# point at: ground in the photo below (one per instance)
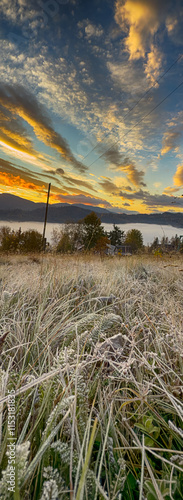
(93, 348)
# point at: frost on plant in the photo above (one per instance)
(21, 454)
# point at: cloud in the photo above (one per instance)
(60, 171)
(17, 11)
(178, 177)
(174, 25)
(110, 188)
(153, 201)
(134, 176)
(128, 77)
(69, 179)
(170, 141)
(22, 176)
(154, 64)
(19, 182)
(171, 190)
(140, 20)
(78, 182)
(19, 101)
(123, 164)
(172, 136)
(93, 31)
(87, 200)
(13, 132)
(59, 86)
(90, 29)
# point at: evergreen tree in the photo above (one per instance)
(116, 236)
(92, 230)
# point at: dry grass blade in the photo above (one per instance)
(2, 340)
(95, 349)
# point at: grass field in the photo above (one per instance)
(93, 348)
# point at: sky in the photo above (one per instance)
(91, 101)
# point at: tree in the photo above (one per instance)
(134, 239)
(155, 245)
(9, 239)
(92, 230)
(116, 236)
(65, 244)
(30, 241)
(175, 242)
(164, 241)
(21, 242)
(101, 244)
(67, 238)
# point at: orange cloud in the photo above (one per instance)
(22, 140)
(170, 190)
(178, 177)
(17, 101)
(11, 180)
(79, 198)
(11, 143)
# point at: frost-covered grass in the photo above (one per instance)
(94, 351)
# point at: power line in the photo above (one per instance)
(134, 126)
(136, 104)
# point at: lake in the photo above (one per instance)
(149, 231)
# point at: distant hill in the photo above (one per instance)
(98, 210)
(11, 202)
(13, 208)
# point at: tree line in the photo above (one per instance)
(86, 235)
(89, 235)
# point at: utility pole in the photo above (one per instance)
(45, 220)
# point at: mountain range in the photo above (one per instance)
(14, 208)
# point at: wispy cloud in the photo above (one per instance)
(152, 201)
(110, 187)
(80, 198)
(21, 177)
(170, 141)
(22, 103)
(118, 162)
(154, 64)
(172, 136)
(171, 190)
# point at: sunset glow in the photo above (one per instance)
(91, 101)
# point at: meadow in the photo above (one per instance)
(93, 348)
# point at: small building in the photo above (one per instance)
(123, 250)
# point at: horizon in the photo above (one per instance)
(94, 206)
(91, 101)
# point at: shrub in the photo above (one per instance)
(101, 244)
(20, 242)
